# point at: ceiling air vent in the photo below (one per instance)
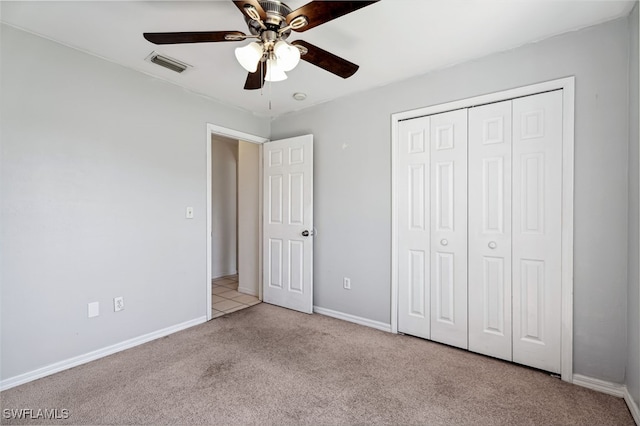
(167, 62)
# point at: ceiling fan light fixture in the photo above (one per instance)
(249, 56)
(287, 55)
(274, 71)
(270, 23)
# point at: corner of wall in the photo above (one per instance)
(632, 379)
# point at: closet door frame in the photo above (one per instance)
(567, 85)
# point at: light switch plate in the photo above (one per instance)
(189, 214)
(93, 309)
(346, 283)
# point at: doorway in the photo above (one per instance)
(234, 261)
(233, 220)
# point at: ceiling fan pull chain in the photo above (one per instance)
(262, 78)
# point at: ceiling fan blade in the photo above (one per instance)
(327, 61)
(192, 37)
(319, 12)
(255, 80)
(254, 3)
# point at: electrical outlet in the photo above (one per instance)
(118, 304)
(189, 213)
(346, 283)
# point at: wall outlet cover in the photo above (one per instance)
(118, 304)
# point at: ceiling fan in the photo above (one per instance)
(270, 22)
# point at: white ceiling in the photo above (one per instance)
(391, 40)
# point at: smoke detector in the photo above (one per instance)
(299, 96)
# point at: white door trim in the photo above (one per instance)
(213, 129)
(567, 85)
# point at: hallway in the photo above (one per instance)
(225, 297)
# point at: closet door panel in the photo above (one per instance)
(537, 216)
(449, 228)
(490, 230)
(413, 190)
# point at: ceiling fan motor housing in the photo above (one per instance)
(276, 18)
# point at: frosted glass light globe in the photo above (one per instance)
(288, 56)
(249, 56)
(274, 71)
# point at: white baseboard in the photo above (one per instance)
(599, 385)
(352, 318)
(249, 291)
(609, 388)
(224, 275)
(91, 356)
(633, 407)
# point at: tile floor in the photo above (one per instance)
(225, 297)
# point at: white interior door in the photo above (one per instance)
(414, 227)
(490, 230)
(288, 223)
(448, 165)
(537, 230)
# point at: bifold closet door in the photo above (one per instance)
(490, 230)
(537, 230)
(515, 201)
(432, 227)
(413, 221)
(480, 229)
(449, 228)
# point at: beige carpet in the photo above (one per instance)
(267, 365)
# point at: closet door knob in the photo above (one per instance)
(444, 242)
(492, 245)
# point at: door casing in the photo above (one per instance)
(567, 85)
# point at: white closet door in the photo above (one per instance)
(413, 227)
(449, 228)
(537, 214)
(490, 230)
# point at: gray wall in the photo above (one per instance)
(633, 300)
(98, 163)
(224, 198)
(353, 176)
